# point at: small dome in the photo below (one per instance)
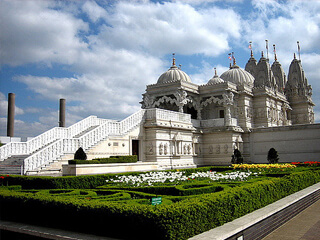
(238, 76)
(174, 74)
(215, 79)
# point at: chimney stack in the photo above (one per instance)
(62, 113)
(10, 117)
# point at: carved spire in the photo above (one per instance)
(278, 72)
(263, 74)
(252, 62)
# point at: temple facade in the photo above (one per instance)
(182, 124)
(226, 109)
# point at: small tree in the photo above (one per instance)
(80, 154)
(236, 157)
(273, 156)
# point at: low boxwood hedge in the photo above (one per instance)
(112, 159)
(178, 190)
(180, 220)
(85, 182)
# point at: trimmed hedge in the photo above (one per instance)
(84, 182)
(180, 220)
(112, 159)
(179, 190)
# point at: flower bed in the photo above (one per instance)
(264, 166)
(308, 163)
(178, 177)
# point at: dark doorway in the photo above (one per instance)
(192, 111)
(221, 113)
(135, 148)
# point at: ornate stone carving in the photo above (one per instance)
(147, 101)
(185, 149)
(226, 148)
(211, 149)
(189, 149)
(161, 149)
(228, 98)
(165, 150)
(150, 149)
(182, 99)
(218, 149)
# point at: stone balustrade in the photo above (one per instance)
(29, 147)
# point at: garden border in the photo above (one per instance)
(263, 221)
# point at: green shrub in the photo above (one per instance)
(80, 154)
(237, 157)
(272, 156)
(112, 159)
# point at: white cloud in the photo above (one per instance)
(169, 27)
(33, 31)
(110, 81)
(93, 10)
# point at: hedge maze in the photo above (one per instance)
(184, 206)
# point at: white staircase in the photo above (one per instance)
(43, 152)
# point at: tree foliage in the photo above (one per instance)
(273, 156)
(237, 157)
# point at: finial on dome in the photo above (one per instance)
(180, 66)
(173, 59)
(234, 59)
(215, 72)
(262, 54)
(294, 56)
(267, 47)
(275, 53)
(298, 49)
(250, 47)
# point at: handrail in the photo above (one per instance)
(89, 139)
(36, 143)
(70, 145)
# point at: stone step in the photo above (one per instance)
(85, 131)
(10, 169)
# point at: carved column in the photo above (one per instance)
(228, 102)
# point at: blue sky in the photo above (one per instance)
(100, 55)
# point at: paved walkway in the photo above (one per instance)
(304, 226)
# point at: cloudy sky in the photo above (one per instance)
(100, 55)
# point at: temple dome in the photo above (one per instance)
(238, 76)
(174, 74)
(215, 79)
